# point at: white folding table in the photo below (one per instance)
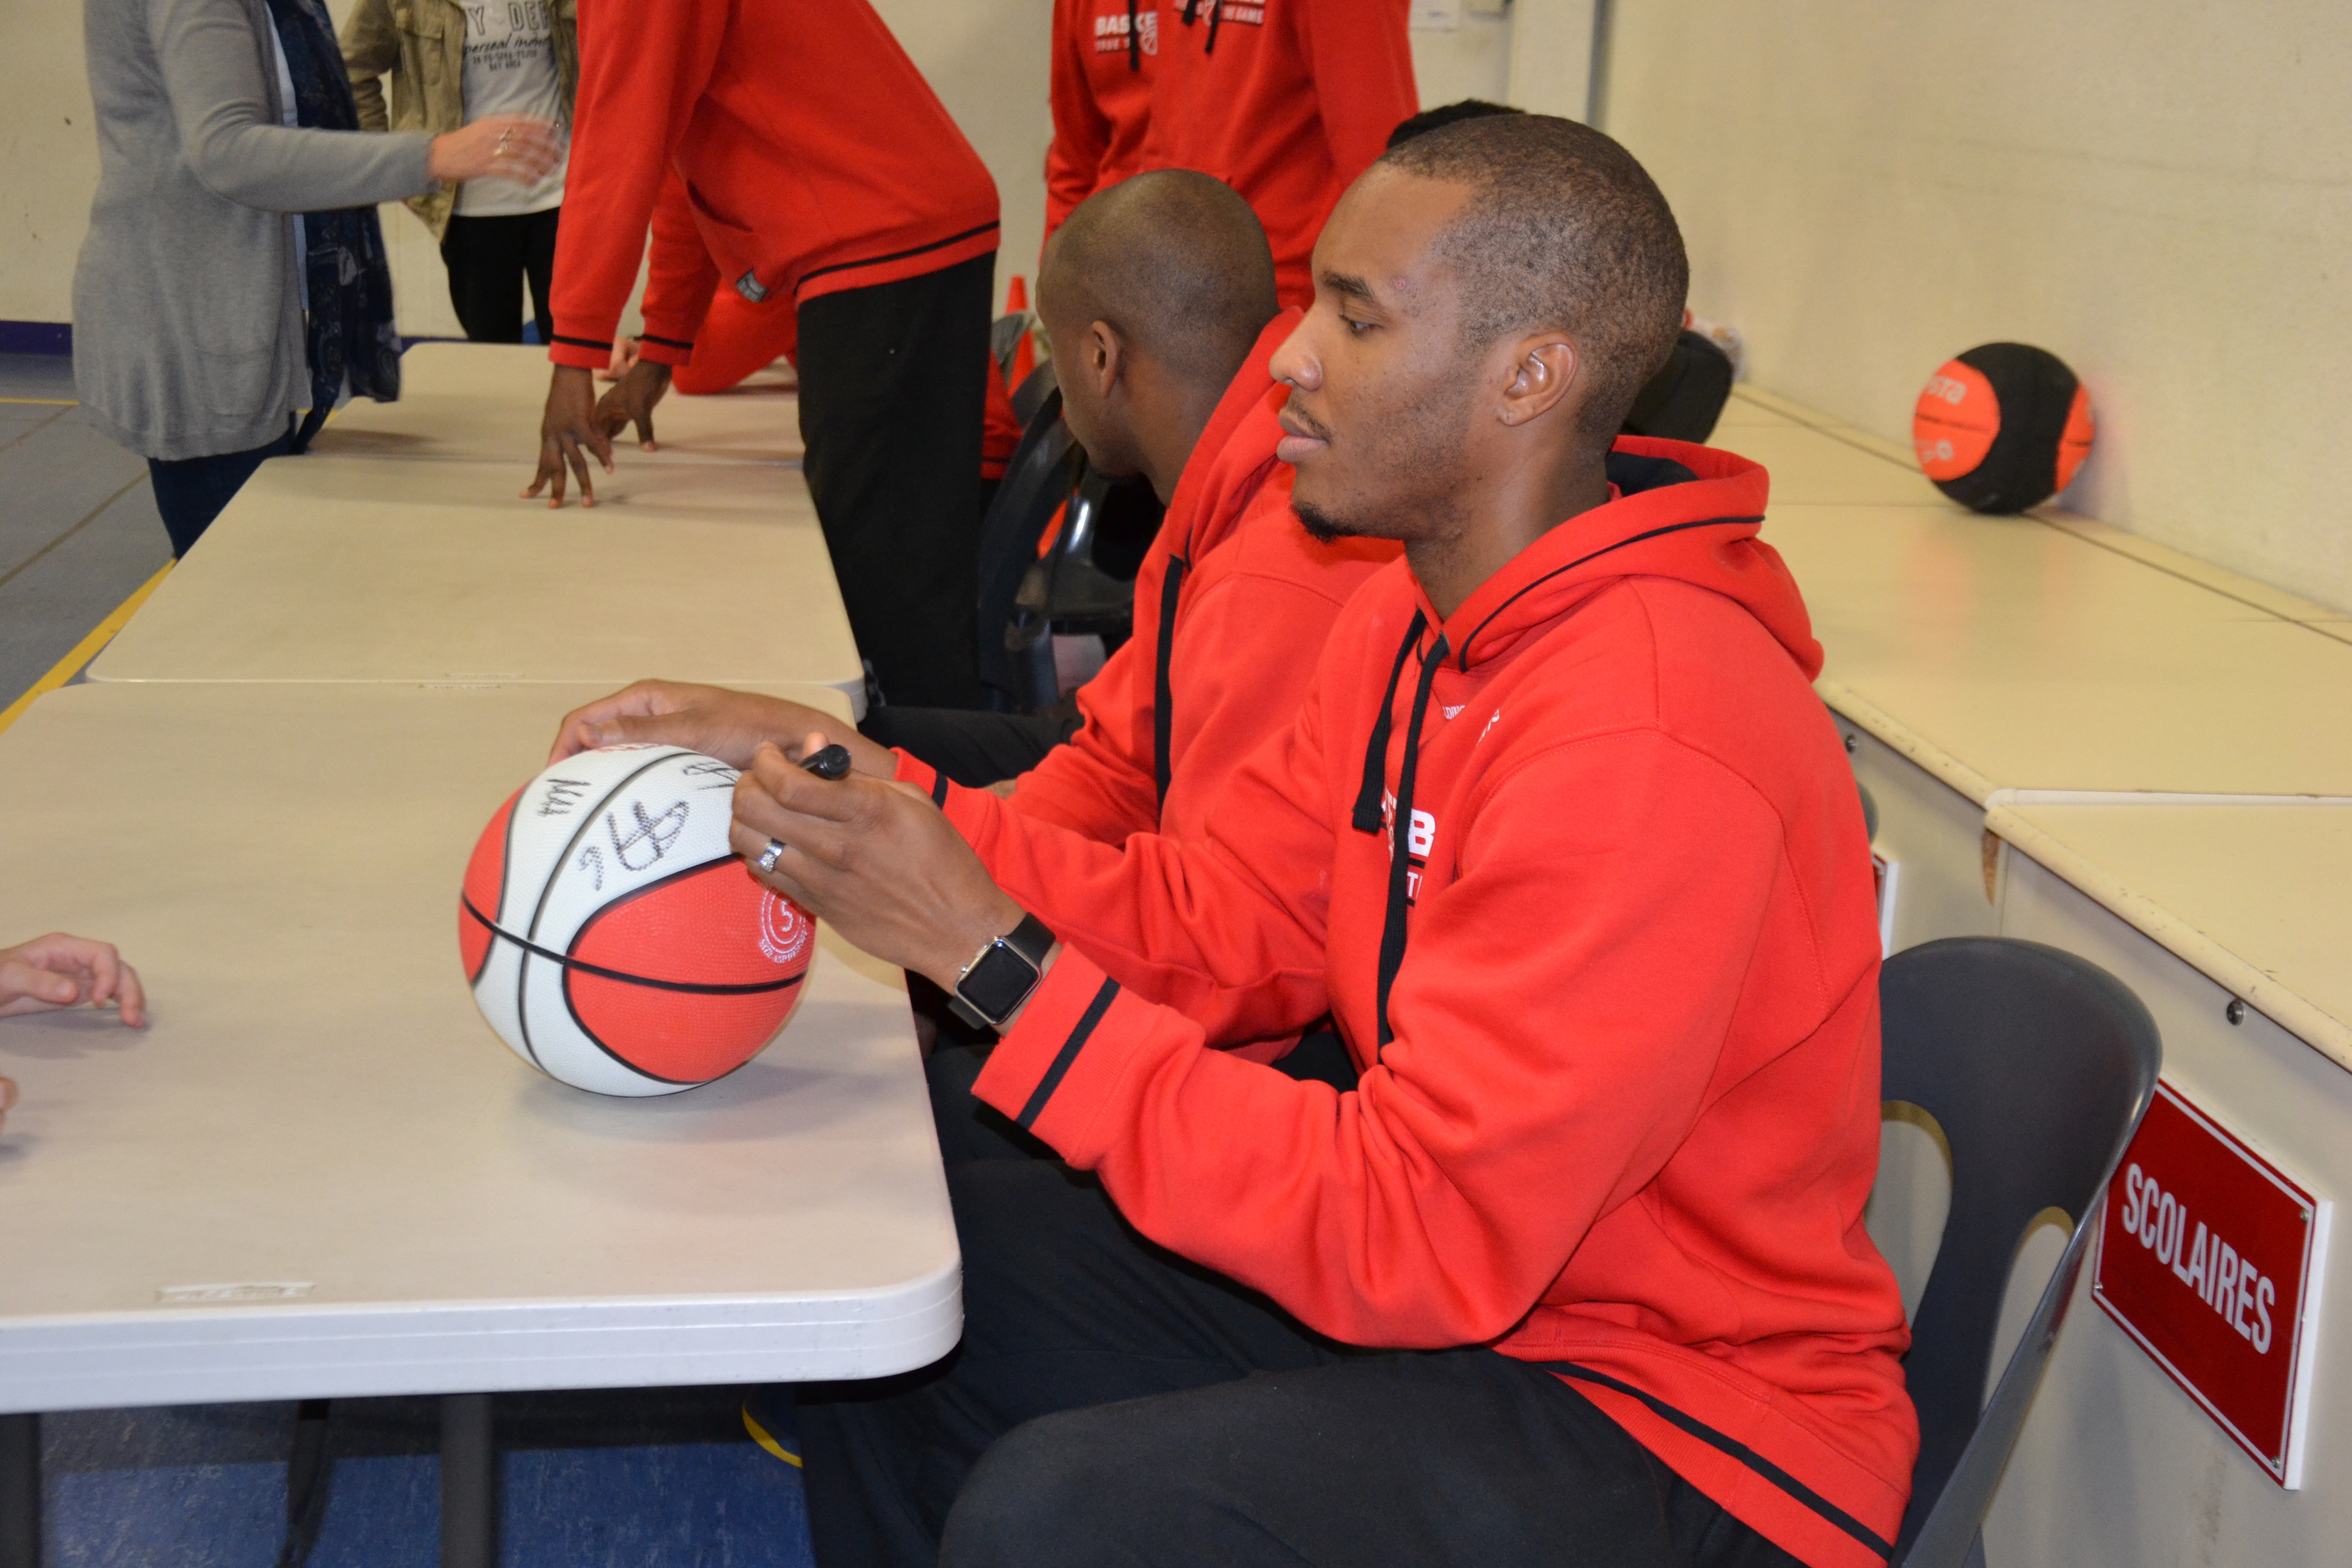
(318, 1173)
(347, 568)
(484, 401)
(1968, 654)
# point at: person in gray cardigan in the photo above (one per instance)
(189, 297)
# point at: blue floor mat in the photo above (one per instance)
(575, 1492)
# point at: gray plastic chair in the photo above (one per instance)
(1037, 480)
(2038, 1066)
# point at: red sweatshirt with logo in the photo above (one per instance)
(1106, 53)
(1613, 996)
(1232, 605)
(1286, 101)
(815, 155)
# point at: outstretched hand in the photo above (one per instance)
(875, 860)
(729, 725)
(569, 435)
(632, 401)
(515, 147)
(59, 971)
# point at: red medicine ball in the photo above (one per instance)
(2002, 427)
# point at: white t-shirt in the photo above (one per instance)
(510, 69)
(287, 116)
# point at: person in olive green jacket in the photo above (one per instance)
(450, 65)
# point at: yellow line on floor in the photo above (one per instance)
(84, 650)
(46, 401)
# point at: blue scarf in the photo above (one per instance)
(350, 330)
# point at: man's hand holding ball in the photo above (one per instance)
(729, 725)
(874, 859)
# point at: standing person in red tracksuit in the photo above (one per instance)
(1106, 53)
(1286, 101)
(737, 340)
(825, 179)
(1577, 1273)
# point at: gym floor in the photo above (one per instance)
(78, 533)
(641, 1478)
(630, 1479)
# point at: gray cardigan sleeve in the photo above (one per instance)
(212, 63)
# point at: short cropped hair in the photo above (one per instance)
(1444, 115)
(1563, 230)
(1176, 261)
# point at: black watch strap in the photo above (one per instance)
(1031, 940)
(999, 980)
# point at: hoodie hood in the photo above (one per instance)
(1676, 510)
(1232, 456)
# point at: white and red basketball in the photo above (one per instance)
(613, 939)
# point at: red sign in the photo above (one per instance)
(2211, 1257)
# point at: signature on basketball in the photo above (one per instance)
(562, 794)
(640, 846)
(650, 839)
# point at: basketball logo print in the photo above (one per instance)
(783, 930)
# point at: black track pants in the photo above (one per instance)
(973, 746)
(1111, 1405)
(491, 260)
(893, 379)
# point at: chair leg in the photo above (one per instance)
(469, 1483)
(20, 1491)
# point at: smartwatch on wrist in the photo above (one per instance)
(1001, 976)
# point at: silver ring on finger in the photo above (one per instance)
(767, 857)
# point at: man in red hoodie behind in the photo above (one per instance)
(1286, 101)
(826, 179)
(1106, 53)
(1577, 1273)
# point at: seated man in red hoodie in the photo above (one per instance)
(1158, 296)
(1577, 1273)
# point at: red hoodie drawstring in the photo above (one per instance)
(1163, 695)
(1367, 816)
(1216, 19)
(1392, 924)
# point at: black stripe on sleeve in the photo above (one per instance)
(1738, 1450)
(1067, 1055)
(668, 344)
(583, 342)
(940, 788)
(896, 254)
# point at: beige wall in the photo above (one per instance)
(49, 157)
(2153, 190)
